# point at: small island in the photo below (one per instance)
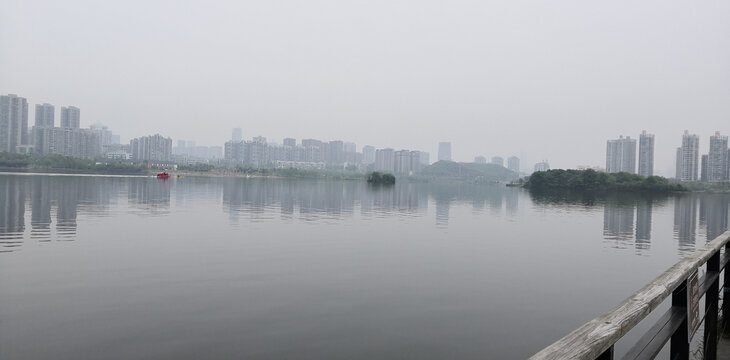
(377, 178)
(592, 180)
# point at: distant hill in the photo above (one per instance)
(468, 171)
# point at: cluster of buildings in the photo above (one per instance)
(317, 155)
(621, 156)
(513, 162)
(187, 151)
(69, 139)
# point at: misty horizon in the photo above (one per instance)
(493, 79)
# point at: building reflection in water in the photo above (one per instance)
(311, 200)
(12, 213)
(61, 199)
(685, 222)
(714, 215)
(644, 208)
(150, 195)
(618, 223)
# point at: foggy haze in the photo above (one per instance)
(539, 80)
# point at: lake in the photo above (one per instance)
(235, 268)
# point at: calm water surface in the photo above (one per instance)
(232, 268)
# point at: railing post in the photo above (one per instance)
(711, 299)
(726, 294)
(679, 345)
(607, 355)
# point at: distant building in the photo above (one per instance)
(444, 151)
(542, 166)
(237, 134)
(717, 161)
(402, 162)
(385, 160)
(498, 160)
(703, 166)
(688, 157)
(233, 152)
(336, 152)
(82, 143)
(678, 164)
(105, 135)
(44, 115)
(425, 158)
(290, 142)
(70, 117)
(13, 122)
(416, 161)
(480, 160)
(621, 155)
(151, 148)
(513, 163)
(368, 155)
(646, 154)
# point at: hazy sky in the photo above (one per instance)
(536, 79)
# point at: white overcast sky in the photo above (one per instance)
(537, 79)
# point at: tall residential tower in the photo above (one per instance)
(688, 157)
(717, 161)
(70, 117)
(445, 151)
(13, 122)
(621, 155)
(646, 154)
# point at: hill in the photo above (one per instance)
(468, 171)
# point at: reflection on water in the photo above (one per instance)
(275, 268)
(627, 218)
(55, 204)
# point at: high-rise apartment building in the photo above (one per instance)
(444, 151)
(678, 164)
(151, 148)
(621, 155)
(513, 163)
(688, 158)
(480, 160)
(13, 122)
(498, 160)
(542, 166)
(368, 154)
(385, 160)
(402, 162)
(646, 154)
(44, 115)
(237, 134)
(407, 162)
(717, 161)
(70, 117)
(425, 158)
(82, 143)
(289, 142)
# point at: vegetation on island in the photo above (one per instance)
(377, 178)
(599, 181)
(66, 164)
(451, 170)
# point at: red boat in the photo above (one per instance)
(163, 175)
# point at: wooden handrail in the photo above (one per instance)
(598, 336)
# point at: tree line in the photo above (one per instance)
(600, 181)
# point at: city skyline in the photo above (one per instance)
(425, 76)
(42, 136)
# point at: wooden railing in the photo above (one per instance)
(596, 339)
